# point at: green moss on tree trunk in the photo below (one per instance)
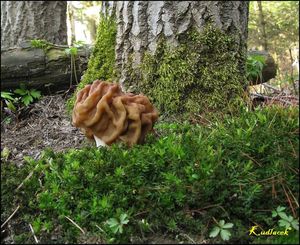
(204, 74)
(102, 61)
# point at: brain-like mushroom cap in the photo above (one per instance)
(103, 110)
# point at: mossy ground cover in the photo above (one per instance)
(238, 170)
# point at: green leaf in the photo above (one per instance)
(225, 234)
(295, 224)
(228, 225)
(283, 215)
(195, 176)
(123, 219)
(215, 231)
(114, 229)
(274, 213)
(35, 94)
(11, 106)
(285, 223)
(27, 100)
(280, 209)
(20, 91)
(120, 229)
(112, 222)
(221, 223)
(7, 95)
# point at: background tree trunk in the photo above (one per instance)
(262, 26)
(72, 23)
(142, 23)
(23, 20)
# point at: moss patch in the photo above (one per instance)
(101, 63)
(202, 74)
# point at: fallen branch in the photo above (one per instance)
(271, 87)
(10, 217)
(272, 98)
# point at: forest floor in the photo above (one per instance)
(46, 124)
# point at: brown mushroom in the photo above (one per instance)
(105, 113)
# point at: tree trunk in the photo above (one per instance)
(262, 26)
(25, 20)
(142, 23)
(72, 22)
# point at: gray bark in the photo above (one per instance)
(108, 8)
(141, 23)
(48, 71)
(26, 20)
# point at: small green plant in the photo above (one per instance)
(9, 100)
(72, 51)
(116, 225)
(5, 153)
(285, 220)
(221, 229)
(27, 95)
(254, 64)
(41, 43)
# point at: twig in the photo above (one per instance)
(10, 217)
(100, 229)
(271, 98)
(185, 235)
(295, 200)
(289, 200)
(251, 158)
(75, 224)
(35, 238)
(271, 87)
(143, 212)
(29, 175)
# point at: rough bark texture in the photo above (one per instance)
(48, 71)
(142, 23)
(23, 20)
(108, 8)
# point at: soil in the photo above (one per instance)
(44, 124)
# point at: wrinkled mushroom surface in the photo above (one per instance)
(103, 110)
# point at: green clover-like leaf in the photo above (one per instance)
(280, 209)
(225, 235)
(221, 223)
(112, 222)
(284, 223)
(274, 214)
(215, 231)
(227, 226)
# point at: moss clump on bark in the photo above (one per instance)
(203, 74)
(102, 61)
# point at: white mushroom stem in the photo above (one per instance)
(99, 142)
